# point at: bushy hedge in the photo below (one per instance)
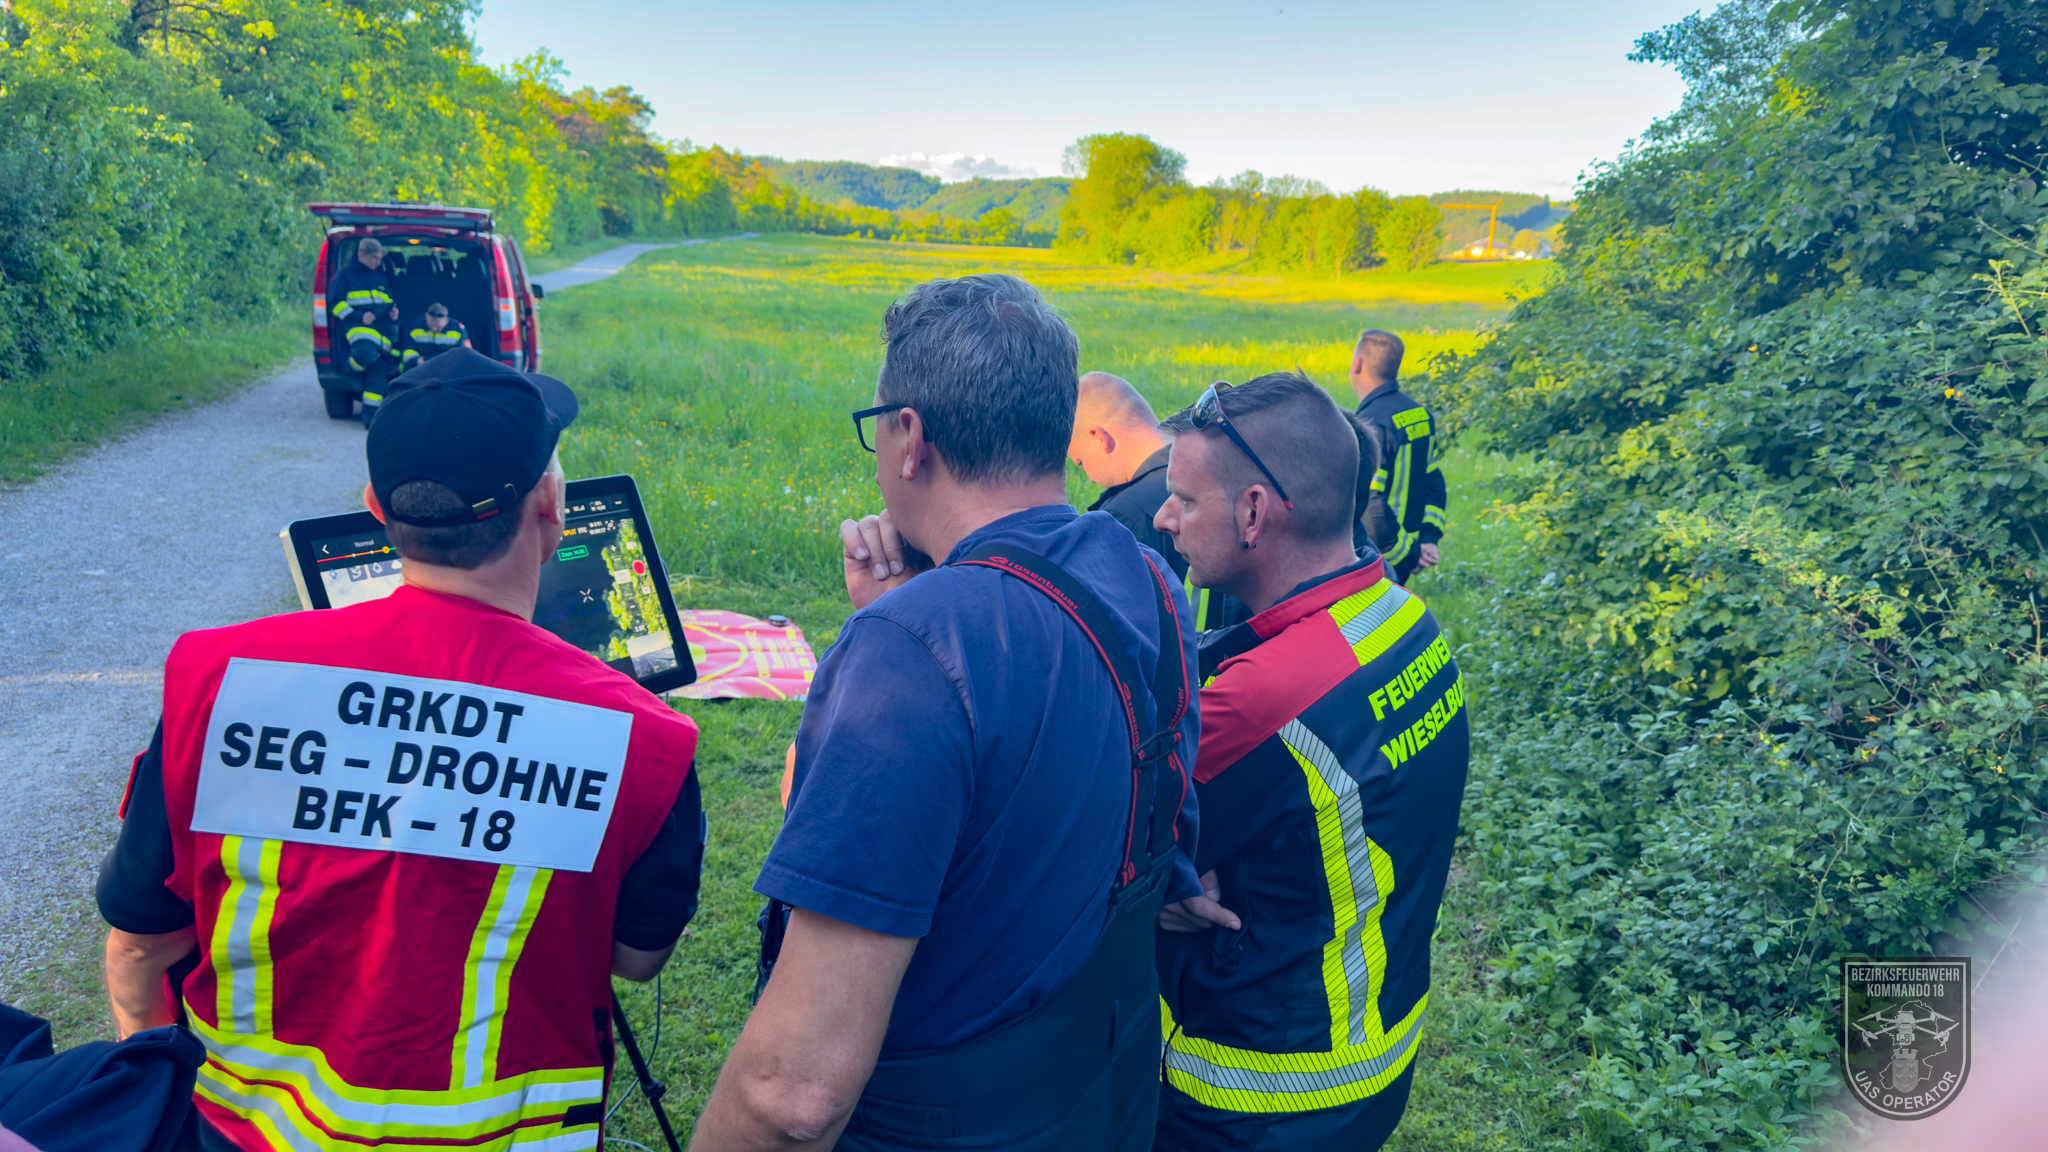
(1767, 677)
(155, 159)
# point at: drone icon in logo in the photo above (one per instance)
(1904, 1027)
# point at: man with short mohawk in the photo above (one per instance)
(1330, 773)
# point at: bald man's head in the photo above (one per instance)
(1115, 430)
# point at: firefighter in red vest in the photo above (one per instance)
(1329, 777)
(403, 846)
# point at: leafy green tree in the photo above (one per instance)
(1409, 233)
(1115, 174)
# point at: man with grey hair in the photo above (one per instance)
(988, 802)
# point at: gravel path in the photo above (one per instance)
(170, 529)
(112, 557)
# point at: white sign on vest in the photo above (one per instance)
(352, 759)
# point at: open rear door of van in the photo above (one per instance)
(405, 216)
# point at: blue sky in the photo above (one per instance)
(1409, 97)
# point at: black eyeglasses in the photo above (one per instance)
(1209, 410)
(861, 430)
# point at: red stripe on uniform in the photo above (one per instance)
(1254, 695)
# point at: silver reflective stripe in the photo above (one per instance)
(1357, 861)
(1375, 614)
(1292, 1083)
(225, 1090)
(248, 865)
(486, 1014)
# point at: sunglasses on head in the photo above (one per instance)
(1209, 410)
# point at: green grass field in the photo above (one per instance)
(721, 376)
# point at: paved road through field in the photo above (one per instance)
(105, 562)
(608, 263)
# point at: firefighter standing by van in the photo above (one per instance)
(359, 295)
(1330, 773)
(433, 333)
(1406, 514)
(410, 841)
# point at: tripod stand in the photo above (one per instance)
(651, 1088)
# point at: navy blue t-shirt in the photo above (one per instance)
(963, 775)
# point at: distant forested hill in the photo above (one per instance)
(1035, 203)
(1520, 212)
(833, 181)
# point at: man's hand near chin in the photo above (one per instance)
(875, 557)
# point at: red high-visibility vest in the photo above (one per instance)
(402, 826)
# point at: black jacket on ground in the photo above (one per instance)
(131, 1096)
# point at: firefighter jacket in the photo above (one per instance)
(1330, 773)
(360, 299)
(1407, 486)
(402, 827)
(421, 343)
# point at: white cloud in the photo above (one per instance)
(953, 167)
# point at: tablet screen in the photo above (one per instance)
(605, 591)
(357, 567)
(599, 593)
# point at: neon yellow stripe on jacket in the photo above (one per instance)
(241, 935)
(1364, 1055)
(291, 1090)
(494, 950)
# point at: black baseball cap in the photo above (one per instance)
(464, 420)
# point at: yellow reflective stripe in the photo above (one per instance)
(1375, 619)
(1397, 502)
(494, 950)
(1431, 514)
(240, 947)
(1357, 871)
(295, 1089)
(272, 1117)
(1240, 1080)
(1364, 1055)
(1351, 614)
(1379, 480)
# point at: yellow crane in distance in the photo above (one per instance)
(1492, 217)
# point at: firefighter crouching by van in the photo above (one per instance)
(409, 842)
(1330, 773)
(360, 298)
(433, 333)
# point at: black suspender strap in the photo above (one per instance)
(1166, 790)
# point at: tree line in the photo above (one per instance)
(1132, 203)
(156, 157)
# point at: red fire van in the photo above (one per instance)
(431, 253)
